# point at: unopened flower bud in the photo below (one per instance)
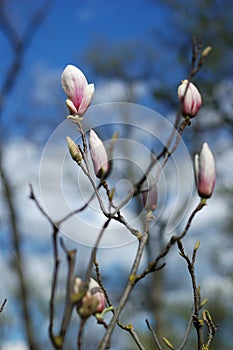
(206, 51)
(74, 150)
(96, 292)
(93, 301)
(150, 197)
(77, 89)
(98, 155)
(205, 172)
(190, 98)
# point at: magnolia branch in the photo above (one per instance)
(89, 296)
(153, 266)
(129, 286)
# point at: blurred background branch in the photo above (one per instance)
(19, 43)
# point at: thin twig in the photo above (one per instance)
(94, 251)
(19, 47)
(53, 286)
(196, 291)
(132, 332)
(41, 209)
(16, 243)
(3, 305)
(129, 286)
(212, 328)
(99, 279)
(69, 305)
(120, 218)
(76, 211)
(55, 231)
(186, 336)
(159, 347)
(84, 140)
(154, 264)
(168, 153)
(80, 333)
(128, 328)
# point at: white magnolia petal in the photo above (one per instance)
(98, 154)
(87, 98)
(74, 84)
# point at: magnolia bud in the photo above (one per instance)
(93, 301)
(98, 155)
(74, 150)
(77, 89)
(95, 291)
(206, 51)
(205, 172)
(190, 98)
(150, 198)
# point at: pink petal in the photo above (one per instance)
(98, 155)
(74, 84)
(206, 172)
(86, 100)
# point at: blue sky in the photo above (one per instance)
(68, 31)
(73, 26)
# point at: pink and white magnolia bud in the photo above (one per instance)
(191, 98)
(150, 198)
(205, 172)
(93, 301)
(98, 155)
(95, 291)
(77, 89)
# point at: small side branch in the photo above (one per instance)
(198, 304)
(154, 265)
(69, 305)
(3, 305)
(159, 347)
(142, 241)
(130, 329)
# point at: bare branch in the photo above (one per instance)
(43, 212)
(153, 266)
(129, 328)
(188, 329)
(129, 286)
(20, 46)
(196, 291)
(3, 305)
(159, 347)
(80, 333)
(69, 305)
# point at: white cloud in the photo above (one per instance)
(224, 163)
(47, 81)
(39, 272)
(118, 91)
(14, 345)
(217, 285)
(224, 94)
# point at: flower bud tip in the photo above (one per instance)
(190, 98)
